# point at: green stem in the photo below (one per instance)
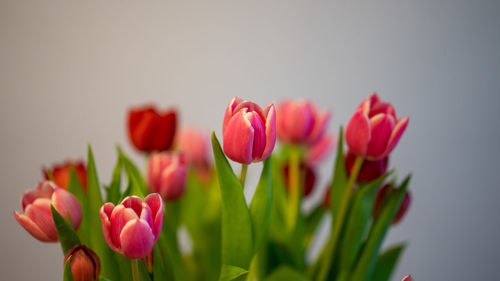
(243, 174)
(135, 270)
(339, 221)
(295, 188)
(252, 272)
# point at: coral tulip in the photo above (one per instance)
(37, 215)
(195, 146)
(374, 129)
(403, 209)
(249, 133)
(167, 172)
(85, 264)
(133, 227)
(369, 171)
(151, 130)
(61, 174)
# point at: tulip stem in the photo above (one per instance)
(243, 174)
(135, 270)
(295, 188)
(339, 221)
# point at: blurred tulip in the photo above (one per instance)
(85, 264)
(309, 177)
(167, 172)
(133, 227)
(37, 215)
(326, 199)
(374, 130)
(151, 130)
(195, 145)
(320, 149)
(369, 171)
(249, 133)
(300, 122)
(379, 200)
(61, 174)
(407, 278)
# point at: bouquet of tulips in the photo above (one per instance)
(187, 218)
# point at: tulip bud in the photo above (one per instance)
(300, 122)
(309, 177)
(407, 278)
(370, 169)
(85, 264)
(379, 200)
(37, 215)
(150, 130)
(167, 172)
(320, 149)
(249, 134)
(61, 173)
(133, 227)
(374, 130)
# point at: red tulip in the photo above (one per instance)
(85, 264)
(167, 172)
(133, 227)
(374, 130)
(369, 171)
(379, 200)
(37, 215)
(249, 133)
(309, 177)
(60, 173)
(150, 130)
(320, 149)
(300, 122)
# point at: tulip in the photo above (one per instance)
(407, 278)
(37, 215)
(309, 177)
(85, 264)
(167, 172)
(374, 129)
(61, 173)
(300, 122)
(369, 171)
(249, 133)
(320, 149)
(195, 146)
(379, 200)
(133, 227)
(151, 130)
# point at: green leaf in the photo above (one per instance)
(260, 207)
(124, 266)
(113, 191)
(237, 243)
(75, 187)
(386, 263)
(339, 181)
(139, 186)
(229, 272)
(68, 275)
(159, 273)
(169, 249)
(65, 232)
(312, 221)
(366, 261)
(143, 271)
(286, 273)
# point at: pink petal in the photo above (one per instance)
(358, 133)
(40, 213)
(382, 107)
(259, 135)
(105, 213)
(381, 129)
(320, 126)
(153, 172)
(320, 149)
(136, 239)
(156, 204)
(230, 111)
(133, 202)
(119, 218)
(297, 120)
(32, 228)
(43, 190)
(270, 132)
(249, 107)
(398, 131)
(407, 278)
(238, 139)
(65, 202)
(173, 181)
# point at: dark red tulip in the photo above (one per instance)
(150, 130)
(370, 170)
(403, 209)
(309, 177)
(61, 173)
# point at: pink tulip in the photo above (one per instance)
(195, 146)
(249, 133)
(407, 278)
(133, 227)
(300, 122)
(167, 172)
(37, 215)
(320, 149)
(374, 130)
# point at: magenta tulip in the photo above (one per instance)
(133, 227)
(167, 172)
(37, 215)
(374, 129)
(300, 122)
(249, 133)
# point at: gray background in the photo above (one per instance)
(69, 71)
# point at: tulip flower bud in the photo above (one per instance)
(133, 227)
(85, 264)
(374, 130)
(167, 172)
(370, 169)
(37, 215)
(150, 130)
(407, 278)
(300, 122)
(61, 173)
(249, 134)
(320, 149)
(379, 200)
(309, 177)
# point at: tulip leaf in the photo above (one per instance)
(169, 249)
(139, 186)
(76, 189)
(339, 181)
(386, 263)
(158, 265)
(285, 273)
(96, 236)
(260, 207)
(65, 232)
(237, 243)
(124, 266)
(229, 272)
(357, 223)
(143, 271)
(68, 275)
(113, 191)
(366, 261)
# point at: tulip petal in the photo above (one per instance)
(133, 202)
(32, 228)
(119, 218)
(407, 278)
(230, 111)
(320, 149)
(164, 131)
(43, 190)
(270, 132)
(238, 138)
(296, 120)
(140, 128)
(259, 135)
(40, 213)
(398, 131)
(136, 239)
(65, 202)
(105, 213)
(381, 129)
(320, 126)
(156, 205)
(357, 133)
(173, 180)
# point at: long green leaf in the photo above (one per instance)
(237, 243)
(159, 273)
(139, 186)
(75, 187)
(68, 275)
(67, 236)
(366, 262)
(286, 273)
(113, 191)
(339, 181)
(386, 263)
(229, 273)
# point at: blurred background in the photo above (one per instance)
(69, 71)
